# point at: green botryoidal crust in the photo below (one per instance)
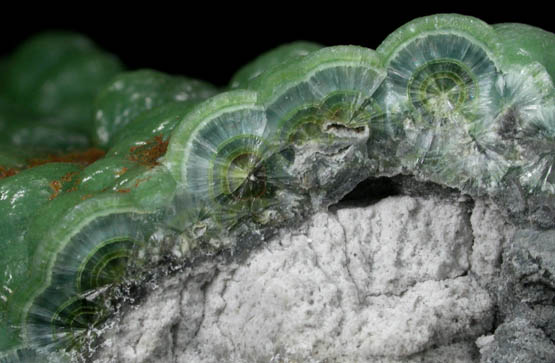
(57, 75)
(524, 44)
(129, 94)
(270, 59)
(105, 172)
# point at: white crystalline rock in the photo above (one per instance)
(404, 241)
(385, 283)
(491, 232)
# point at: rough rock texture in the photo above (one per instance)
(518, 342)
(526, 295)
(408, 279)
(491, 234)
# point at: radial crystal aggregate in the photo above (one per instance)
(107, 173)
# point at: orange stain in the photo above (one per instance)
(56, 187)
(86, 196)
(83, 158)
(4, 173)
(149, 153)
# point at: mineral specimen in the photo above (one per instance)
(107, 177)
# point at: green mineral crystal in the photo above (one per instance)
(103, 172)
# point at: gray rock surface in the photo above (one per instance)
(526, 298)
(408, 279)
(491, 233)
(518, 341)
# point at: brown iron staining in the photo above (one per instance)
(57, 186)
(148, 153)
(83, 158)
(7, 172)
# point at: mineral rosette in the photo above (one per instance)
(107, 174)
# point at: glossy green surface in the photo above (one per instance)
(58, 75)
(524, 44)
(129, 94)
(188, 172)
(22, 195)
(271, 59)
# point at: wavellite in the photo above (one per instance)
(152, 165)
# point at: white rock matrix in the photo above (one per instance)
(408, 279)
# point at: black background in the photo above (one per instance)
(213, 42)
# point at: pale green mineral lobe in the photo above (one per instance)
(152, 126)
(176, 158)
(52, 233)
(58, 74)
(60, 221)
(24, 129)
(46, 134)
(271, 59)
(36, 57)
(97, 254)
(21, 196)
(131, 93)
(440, 23)
(524, 44)
(305, 97)
(150, 185)
(104, 174)
(217, 153)
(440, 97)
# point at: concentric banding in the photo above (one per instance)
(97, 256)
(303, 125)
(22, 196)
(68, 233)
(452, 110)
(441, 23)
(441, 87)
(332, 83)
(195, 141)
(238, 169)
(440, 91)
(63, 322)
(222, 153)
(106, 264)
(74, 318)
(443, 76)
(442, 68)
(312, 123)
